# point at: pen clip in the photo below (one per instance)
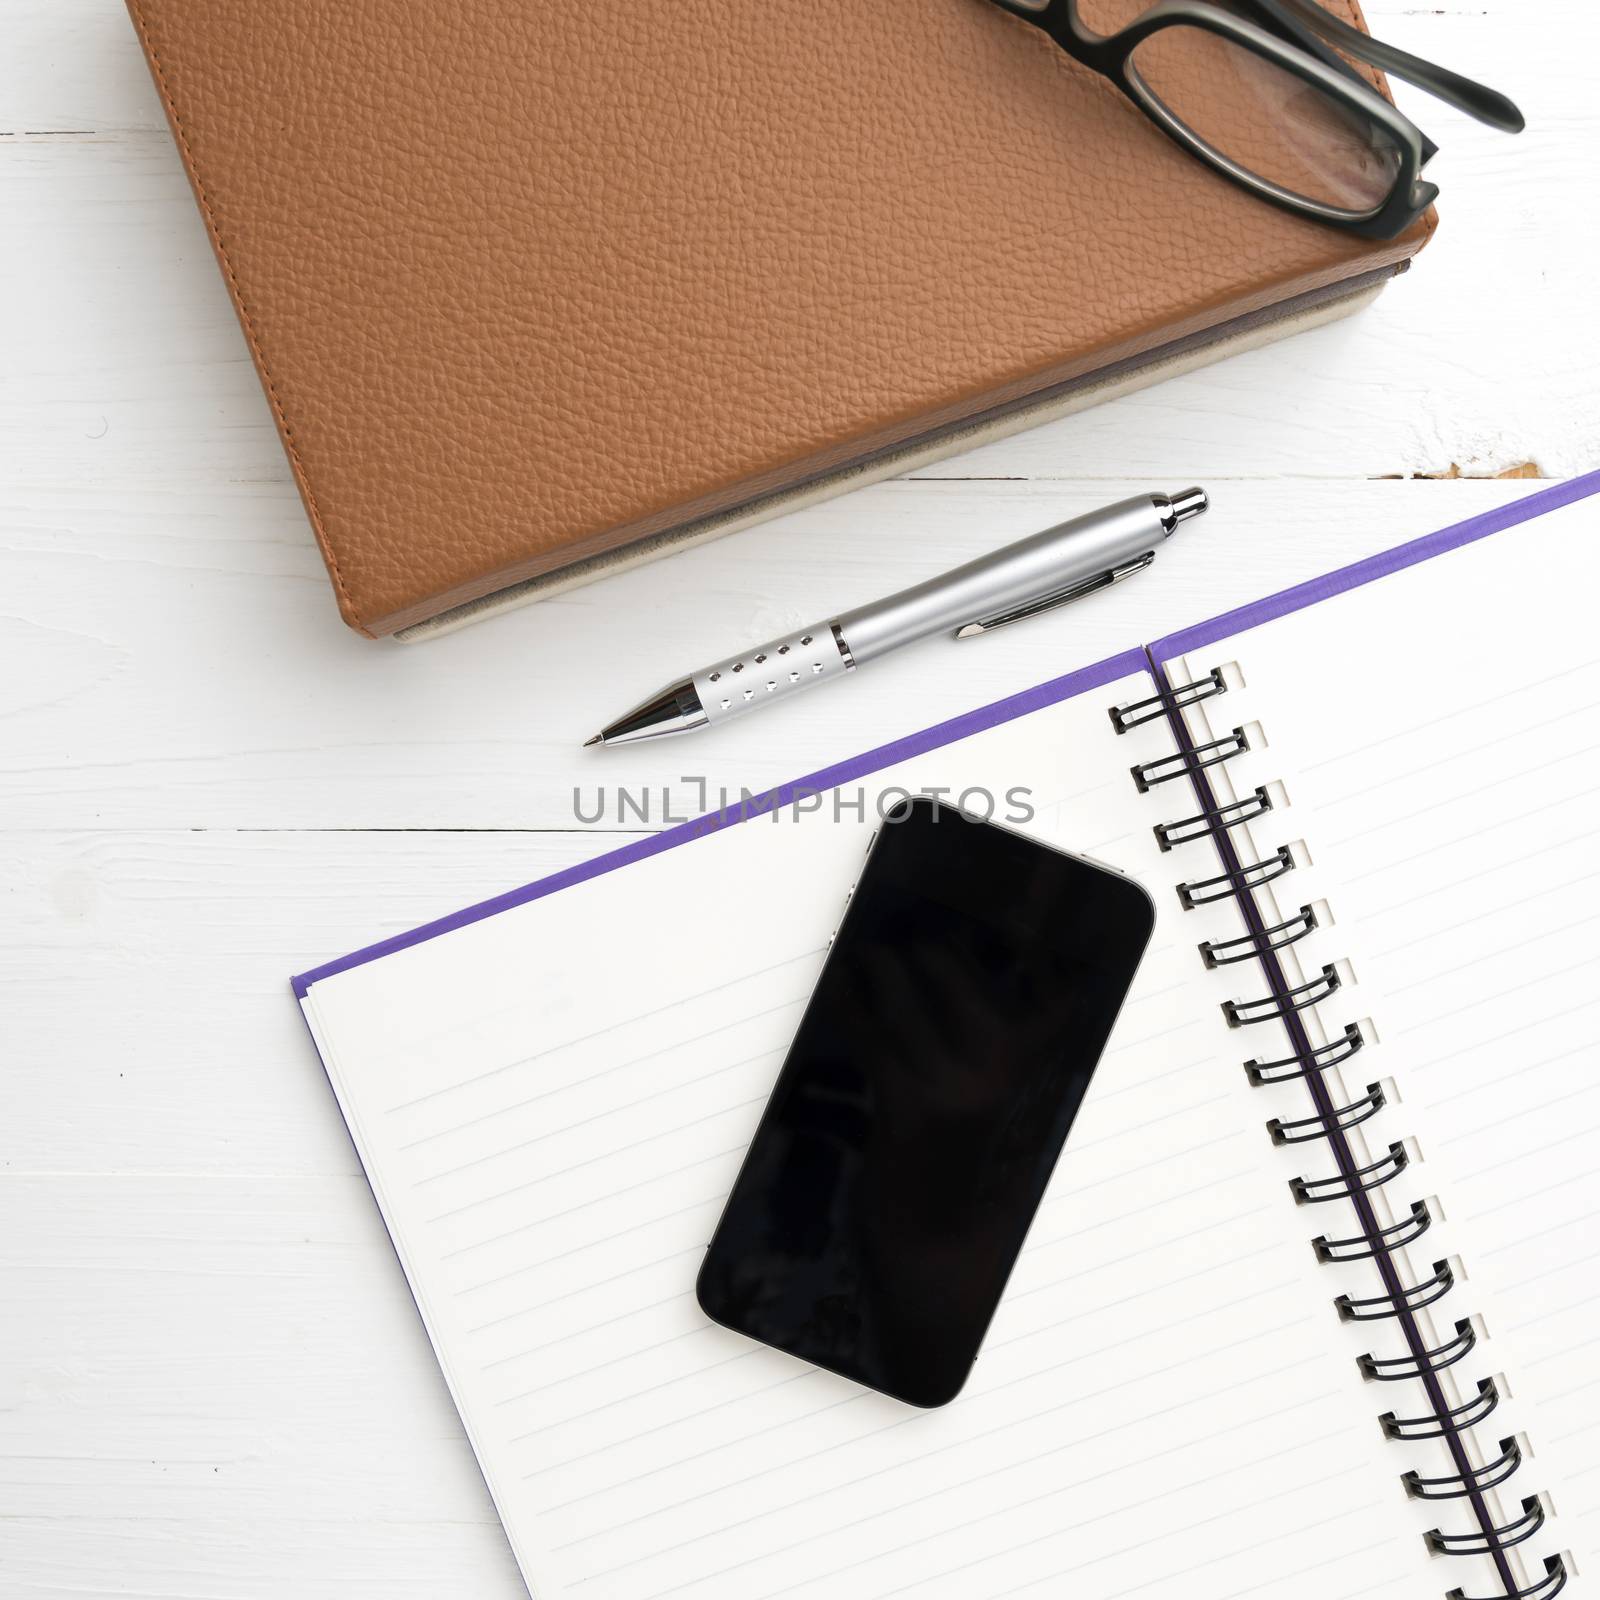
(1058, 597)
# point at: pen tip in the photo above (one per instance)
(599, 738)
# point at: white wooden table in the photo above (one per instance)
(212, 1380)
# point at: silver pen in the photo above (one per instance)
(1034, 575)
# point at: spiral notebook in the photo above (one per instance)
(1311, 1305)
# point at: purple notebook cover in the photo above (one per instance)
(1045, 694)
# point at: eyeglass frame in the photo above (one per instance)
(1111, 55)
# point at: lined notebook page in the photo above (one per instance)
(552, 1102)
(1438, 733)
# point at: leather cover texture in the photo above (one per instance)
(527, 281)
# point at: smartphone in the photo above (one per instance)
(963, 1005)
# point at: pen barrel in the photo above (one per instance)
(1031, 569)
(1028, 570)
(776, 670)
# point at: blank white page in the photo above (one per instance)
(552, 1102)
(1438, 734)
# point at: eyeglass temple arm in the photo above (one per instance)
(1047, 15)
(1476, 99)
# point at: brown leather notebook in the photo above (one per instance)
(540, 286)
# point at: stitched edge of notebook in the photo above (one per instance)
(246, 322)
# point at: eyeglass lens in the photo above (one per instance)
(1264, 118)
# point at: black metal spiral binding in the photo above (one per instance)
(1436, 1360)
(1362, 1248)
(1361, 1180)
(1304, 1064)
(1331, 1122)
(1158, 706)
(1204, 823)
(1275, 1007)
(1466, 1415)
(1246, 948)
(1480, 1544)
(1547, 1588)
(1304, 1129)
(1147, 774)
(1412, 1298)
(1457, 1485)
(1236, 880)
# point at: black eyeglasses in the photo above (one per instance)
(1266, 92)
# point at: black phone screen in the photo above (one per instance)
(937, 1069)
